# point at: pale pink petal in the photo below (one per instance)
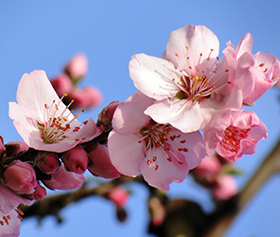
(245, 45)
(126, 153)
(182, 114)
(34, 91)
(129, 116)
(198, 40)
(153, 76)
(167, 172)
(65, 180)
(244, 78)
(13, 229)
(265, 73)
(10, 200)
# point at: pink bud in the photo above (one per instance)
(208, 166)
(14, 148)
(100, 164)
(39, 193)
(106, 115)
(20, 176)
(88, 97)
(76, 160)
(226, 187)
(118, 195)
(94, 96)
(157, 211)
(47, 162)
(77, 67)
(62, 84)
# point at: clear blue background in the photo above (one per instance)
(45, 34)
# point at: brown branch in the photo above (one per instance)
(223, 217)
(52, 205)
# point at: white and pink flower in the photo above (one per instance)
(161, 152)
(43, 121)
(189, 83)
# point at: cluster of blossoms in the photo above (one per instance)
(156, 132)
(56, 151)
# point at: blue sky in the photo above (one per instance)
(45, 34)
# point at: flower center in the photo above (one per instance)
(56, 127)
(159, 136)
(200, 82)
(232, 138)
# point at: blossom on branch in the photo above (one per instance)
(161, 152)
(189, 83)
(238, 135)
(254, 74)
(43, 121)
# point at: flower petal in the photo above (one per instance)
(153, 76)
(126, 153)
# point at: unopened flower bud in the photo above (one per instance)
(14, 148)
(47, 162)
(76, 160)
(20, 176)
(226, 187)
(39, 193)
(88, 97)
(106, 115)
(62, 84)
(100, 163)
(118, 196)
(207, 167)
(77, 67)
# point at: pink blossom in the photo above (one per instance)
(138, 144)
(76, 160)
(100, 163)
(65, 180)
(225, 188)
(43, 121)
(77, 67)
(20, 176)
(188, 83)
(238, 137)
(254, 74)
